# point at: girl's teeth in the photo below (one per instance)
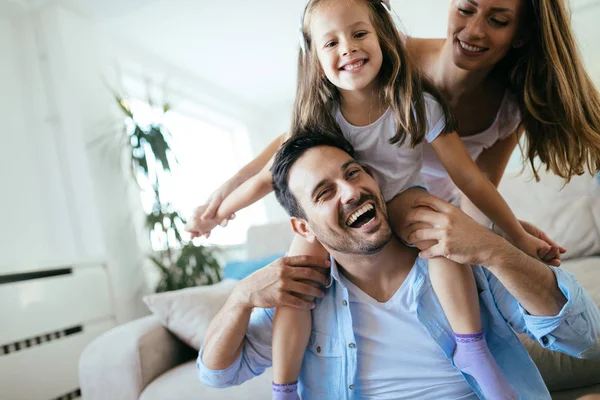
(354, 66)
(469, 47)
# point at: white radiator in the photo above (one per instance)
(47, 317)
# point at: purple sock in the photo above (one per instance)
(473, 357)
(285, 391)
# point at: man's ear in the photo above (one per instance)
(301, 227)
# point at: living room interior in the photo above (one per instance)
(93, 213)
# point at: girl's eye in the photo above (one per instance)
(465, 12)
(360, 35)
(330, 44)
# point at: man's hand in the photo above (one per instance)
(283, 281)
(459, 238)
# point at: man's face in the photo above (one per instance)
(342, 202)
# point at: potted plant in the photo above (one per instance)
(180, 262)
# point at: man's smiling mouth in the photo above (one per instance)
(365, 214)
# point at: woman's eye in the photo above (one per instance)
(353, 173)
(498, 22)
(465, 12)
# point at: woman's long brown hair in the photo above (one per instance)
(559, 103)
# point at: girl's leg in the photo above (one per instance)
(291, 331)
(455, 287)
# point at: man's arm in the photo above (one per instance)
(237, 346)
(550, 304)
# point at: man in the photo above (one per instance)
(378, 330)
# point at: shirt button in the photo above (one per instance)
(352, 345)
(318, 349)
(351, 387)
(545, 340)
(344, 303)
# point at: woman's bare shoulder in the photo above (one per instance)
(420, 48)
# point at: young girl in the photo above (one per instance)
(355, 78)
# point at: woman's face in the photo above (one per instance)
(483, 31)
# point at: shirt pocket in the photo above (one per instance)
(322, 365)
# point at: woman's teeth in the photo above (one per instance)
(470, 48)
(351, 67)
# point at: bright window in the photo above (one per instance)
(207, 156)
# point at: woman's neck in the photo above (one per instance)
(362, 107)
(456, 83)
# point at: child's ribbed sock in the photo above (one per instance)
(285, 391)
(473, 357)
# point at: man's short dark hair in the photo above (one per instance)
(289, 153)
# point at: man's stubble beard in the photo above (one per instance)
(348, 244)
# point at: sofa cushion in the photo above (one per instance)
(187, 312)
(181, 383)
(560, 371)
(569, 214)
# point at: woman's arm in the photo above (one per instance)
(247, 172)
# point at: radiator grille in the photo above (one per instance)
(75, 394)
(38, 340)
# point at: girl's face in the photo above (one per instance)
(483, 31)
(346, 44)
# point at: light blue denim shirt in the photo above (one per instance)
(330, 363)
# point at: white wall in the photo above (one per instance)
(37, 229)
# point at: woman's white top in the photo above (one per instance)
(506, 122)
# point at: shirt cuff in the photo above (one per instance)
(218, 378)
(540, 326)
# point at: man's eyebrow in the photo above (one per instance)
(495, 9)
(348, 163)
(323, 181)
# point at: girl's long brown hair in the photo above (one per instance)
(401, 84)
(559, 103)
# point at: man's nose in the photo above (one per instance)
(349, 193)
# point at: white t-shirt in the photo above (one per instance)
(394, 168)
(396, 357)
(438, 181)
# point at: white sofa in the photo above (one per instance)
(142, 360)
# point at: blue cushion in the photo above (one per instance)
(241, 269)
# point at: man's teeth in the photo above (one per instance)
(469, 47)
(354, 66)
(356, 214)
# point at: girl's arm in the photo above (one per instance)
(247, 172)
(470, 180)
(244, 195)
(492, 163)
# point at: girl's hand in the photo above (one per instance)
(198, 226)
(538, 248)
(552, 256)
(216, 198)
